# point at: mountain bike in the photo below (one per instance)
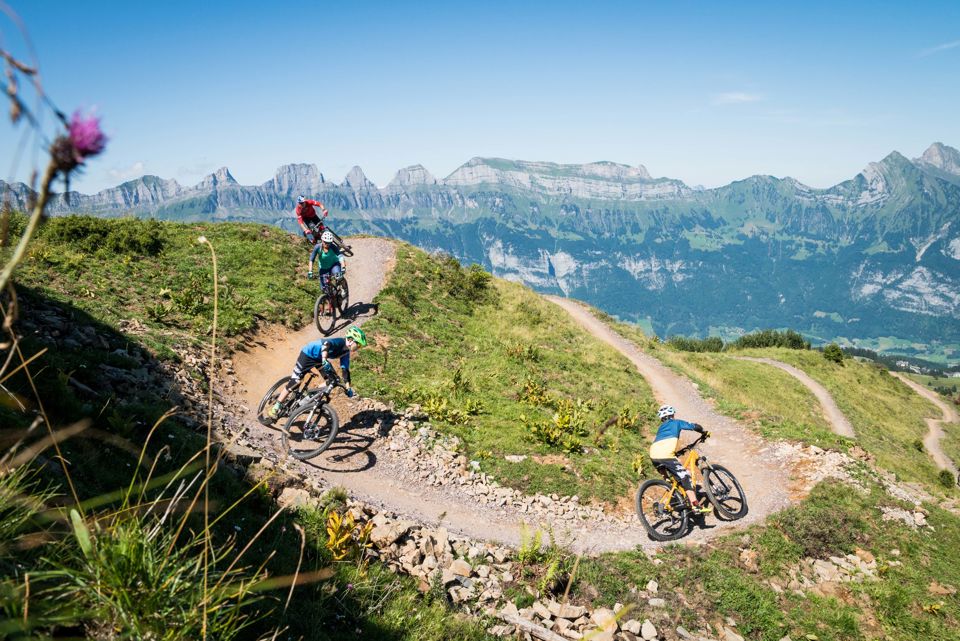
(334, 298)
(318, 229)
(313, 424)
(663, 506)
(303, 393)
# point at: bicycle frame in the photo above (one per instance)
(691, 464)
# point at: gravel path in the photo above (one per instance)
(838, 421)
(935, 426)
(764, 479)
(387, 471)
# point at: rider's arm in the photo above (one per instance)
(317, 203)
(693, 427)
(345, 368)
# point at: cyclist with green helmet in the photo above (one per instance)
(318, 354)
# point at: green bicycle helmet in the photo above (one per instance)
(357, 335)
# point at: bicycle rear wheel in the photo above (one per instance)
(324, 314)
(662, 511)
(310, 430)
(268, 400)
(345, 249)
(724, 491)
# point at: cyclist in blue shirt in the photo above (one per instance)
(663, 451)
(319, 353)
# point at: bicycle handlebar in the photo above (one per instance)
(690, 446)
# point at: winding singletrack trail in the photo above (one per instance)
(360, 461)
(838, 421)
(935, 426)
(732, 445)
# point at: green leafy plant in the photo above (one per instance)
(833, 353)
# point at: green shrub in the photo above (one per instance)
(946, 478)
(686, 344)
(826, 524)
(833, 353)
(772, 338)
(123, 236)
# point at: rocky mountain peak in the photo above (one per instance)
(357, 180)
(296, 179)
(220, 178)
(413, 175)
(942, 157)
(223, 176)
(614, 171)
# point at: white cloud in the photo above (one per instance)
(126, 173)
(944, 47)
(736, 98)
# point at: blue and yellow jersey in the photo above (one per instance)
(329, 349)
(668, 436)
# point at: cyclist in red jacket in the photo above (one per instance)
(307, 218)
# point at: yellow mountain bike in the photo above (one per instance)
(663, 507)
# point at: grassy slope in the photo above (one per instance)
(832, 520)
(100, 285)
(887, 416)
(430, 334)
(102, 267)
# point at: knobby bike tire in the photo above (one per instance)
(318, 416)
(725, 493)
(344, 248)
(324, 321)
(267, 400)
(344, 297)
(671, 524)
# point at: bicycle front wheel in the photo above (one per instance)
(724, 491)
(310, 430)
(268, 400)
(662, 510)
(324, 314)
(343, 296)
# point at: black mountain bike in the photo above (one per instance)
(313, 424)
(303, 393)
(334, 300)
(318, 229)
(664, 509)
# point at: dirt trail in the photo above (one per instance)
(838, 421)
(732, 445)
(935, 426)
(360, 461)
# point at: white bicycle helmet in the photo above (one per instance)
(326, 237)
(300, 200)
(665, 411)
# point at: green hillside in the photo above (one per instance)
(488, 361)
(887, 416)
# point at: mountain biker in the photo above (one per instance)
(307, 218)
(664, 449)
(329, 255)
(319, 353)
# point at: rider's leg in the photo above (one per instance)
(304, 363)
(676, 469)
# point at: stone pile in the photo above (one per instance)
(428, 457)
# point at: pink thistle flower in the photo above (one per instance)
(85, 136)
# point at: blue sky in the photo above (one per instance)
(707, 92)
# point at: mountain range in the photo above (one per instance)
(874, 260)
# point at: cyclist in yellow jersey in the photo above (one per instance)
(663, 451)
